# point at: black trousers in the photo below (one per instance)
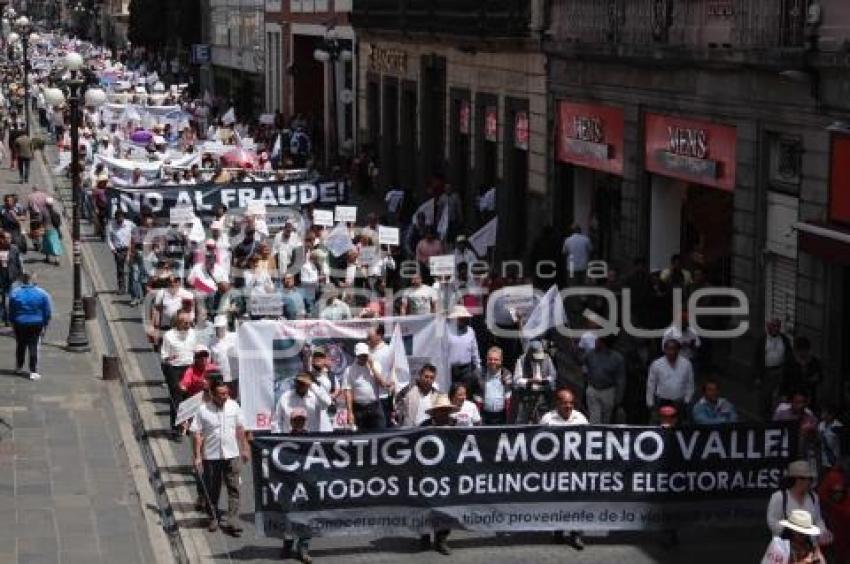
(172, 375)
(369, 417)
(493, 417)
(120, 267)
(24, 169)
(26, 339)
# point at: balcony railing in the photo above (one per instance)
(490, 18)
(686, 23)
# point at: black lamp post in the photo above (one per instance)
(23, 27)
(75, 86)
(331, 50)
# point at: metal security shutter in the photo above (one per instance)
(781, 290)
(780, 284)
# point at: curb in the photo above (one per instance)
(165, 539)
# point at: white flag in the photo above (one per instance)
(485, 237)
(428, 209)
(229, 117)
(443, 225)
(432, 343)
(276, 148)
(549, 312)
(398, 357)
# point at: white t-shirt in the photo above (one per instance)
(468, 415)
(171, 303)
(359, 380)
(553, 418)
(419, 299)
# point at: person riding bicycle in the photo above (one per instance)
(534, 380)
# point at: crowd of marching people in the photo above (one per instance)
(198, 279)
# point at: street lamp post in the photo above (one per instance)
(78, 340)
(331, 50)
(23, 26)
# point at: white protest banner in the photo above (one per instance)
(325, 218)
(345, 214)
(270, 354)
(277, 217)
(265, 305)
(180, 215)
(388, 235)
(256, 207)
(188, 408)
(442, 265)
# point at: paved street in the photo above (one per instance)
(65, 484)
(145, 380)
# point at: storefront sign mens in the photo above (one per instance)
(517, 478)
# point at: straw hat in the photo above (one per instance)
(800, 520)
(440, 403)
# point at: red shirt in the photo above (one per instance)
(194, 381)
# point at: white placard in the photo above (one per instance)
(188, 408)
(388, 235)
(267, 119)
(345, 214)
(325, 218)
(266, 305)
(181, 215)
(442, 265)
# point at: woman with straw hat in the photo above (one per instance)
(797, 544)
(798, 496)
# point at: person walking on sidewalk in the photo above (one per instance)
(29, 312)
(119, 235)
(219, 440)
(51, 242)
(11, 269)
(23, 144)
(178, 353)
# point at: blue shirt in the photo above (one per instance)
(494, 393)
(29, 305)
(704, 413)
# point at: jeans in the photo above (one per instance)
(27, 338)
(138, 280)
(24, 169)
(224, 471)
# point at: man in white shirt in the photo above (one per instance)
(565, 415)
(464, 358)
(577, 249)
(284, 245)
(119, 235)
(309, 396)
(418, 298)
(177, 353)
(223, 350)
(381, 353)
(219, 444)
(362, 382)
(671, 380)
(414, 400)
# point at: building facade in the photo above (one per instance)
(457, 91)
(234, 31)
(301, 83)
(714, 120)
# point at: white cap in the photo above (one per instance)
(361, 349)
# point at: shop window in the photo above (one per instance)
(785, 163)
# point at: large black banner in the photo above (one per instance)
(517, 478)
(203, 198)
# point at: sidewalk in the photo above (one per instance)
(65, 484)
